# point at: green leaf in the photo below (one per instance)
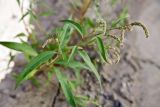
(29, 12)
(62, 34)
(73, 64)
(75, 25)
(20, 35)
(22, 47)
(65, 87)
(31, 67)
(72, 53)
(11, 58)
(101, 48)
(23, 16)
(63, 37)
(32, 14)
(88, 61)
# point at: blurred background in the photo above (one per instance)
(137, 76)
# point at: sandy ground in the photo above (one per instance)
(148, 49)
(141, 59)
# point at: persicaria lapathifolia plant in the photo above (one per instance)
(60, 52)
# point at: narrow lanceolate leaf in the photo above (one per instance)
(73, 64)
(88, 61)
(72, 53)
(22, 47)
(63, 38)
(101, 48)
(20, 35)
(63, 35)
(31, 67)
(75, 25)
(65, 87)
(24, 15)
